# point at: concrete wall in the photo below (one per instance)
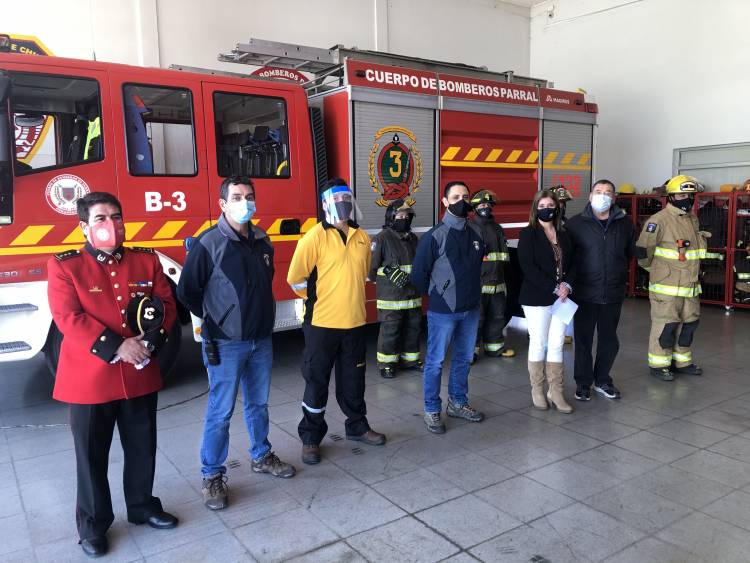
(665, 73)
(193, 32)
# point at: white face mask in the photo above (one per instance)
(241, 211)
(601, 202)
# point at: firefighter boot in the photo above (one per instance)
(691, 369)
(555, 391)
(662, 373)
(388, 372)
(536, 377)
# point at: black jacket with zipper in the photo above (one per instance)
(601, 255)
(537, 260)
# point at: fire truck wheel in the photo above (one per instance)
(171, 350)
(52, 349)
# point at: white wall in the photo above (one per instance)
(193, 32)
(665, 73)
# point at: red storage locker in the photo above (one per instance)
(645, 207)
(738, 292)
(713, 211)
(626, 202)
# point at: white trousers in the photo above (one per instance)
(546, 334)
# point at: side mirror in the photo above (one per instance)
(290, 227)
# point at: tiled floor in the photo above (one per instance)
(662, 475)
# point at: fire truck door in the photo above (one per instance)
(256, 132)
(161, 160)
(566, 160)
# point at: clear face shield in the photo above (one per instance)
(339, 205)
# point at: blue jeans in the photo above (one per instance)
(444, 329)
(245, 362)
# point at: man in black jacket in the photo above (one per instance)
(603, 243)
(227, 282)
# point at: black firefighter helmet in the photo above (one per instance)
(394, 207)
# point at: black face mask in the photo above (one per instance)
(547, 214)
(402, 225)
(460, 209)
(485, 213)
(683, 204)
(344, 210)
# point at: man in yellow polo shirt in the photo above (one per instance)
(328, 270)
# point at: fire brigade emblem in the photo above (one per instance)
(395, 170)
(63, 192)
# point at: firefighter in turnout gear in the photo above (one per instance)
(492, 307)
(670, 248)
(399, 303)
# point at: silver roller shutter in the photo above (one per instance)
(370, 118)
(566, 159)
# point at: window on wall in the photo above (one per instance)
(56, 121)
(252, 136)
(159, 130)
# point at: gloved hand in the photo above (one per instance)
(398, 277)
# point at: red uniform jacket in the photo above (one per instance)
(88, 294)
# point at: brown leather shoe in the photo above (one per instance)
(310, 454)
(371, 438)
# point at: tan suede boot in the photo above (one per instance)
(536, 376)
(555, 392)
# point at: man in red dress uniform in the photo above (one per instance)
(107, 371)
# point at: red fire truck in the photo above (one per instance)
(163, 139)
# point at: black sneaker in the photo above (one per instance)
(583, 393)
(662, 373)
(607, 390)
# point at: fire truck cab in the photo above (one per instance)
(163, 140)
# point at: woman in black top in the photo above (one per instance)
(544, 253)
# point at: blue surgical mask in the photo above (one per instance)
(241, 211)
(601, 202)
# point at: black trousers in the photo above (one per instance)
(93, 426)
(491, 323)
(324, 349)
(399, 336)
(603, 319)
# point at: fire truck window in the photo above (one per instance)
(251, 136)
(159, 130)
(56, 121)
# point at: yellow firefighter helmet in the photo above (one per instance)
(626, 189)
(682, 184)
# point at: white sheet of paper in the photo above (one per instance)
(564, 310)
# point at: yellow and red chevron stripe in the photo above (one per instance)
(484, 157)
(49, 239)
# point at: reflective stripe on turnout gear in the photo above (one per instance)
(410, 356)
(683, 357)
(311, 409)
(491, 289)
(398, 305)
(497, 257)
(494, 346)
(405, 267)
(694, 254)
(656, 361)
(675, 291)
(387, 358)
